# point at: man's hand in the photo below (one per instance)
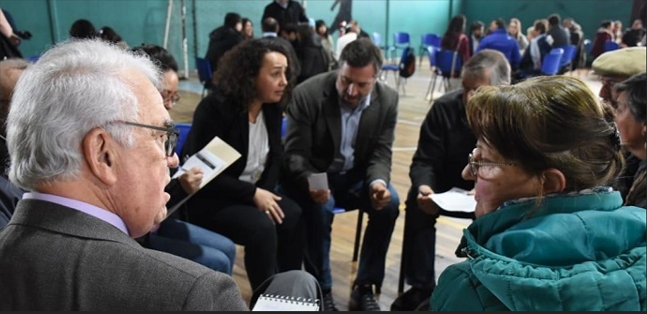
(190, 180)
(320, 196)
(380, 195)
(425, 203)
(266, 201)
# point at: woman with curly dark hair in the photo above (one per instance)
(252, 82)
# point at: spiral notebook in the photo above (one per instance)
(270, 302)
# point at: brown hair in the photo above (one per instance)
(549, 122)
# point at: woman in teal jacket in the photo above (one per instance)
(549, 235)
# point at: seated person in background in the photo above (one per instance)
(108, 34)
(173, 235)
(445, 141)
(499, 40)
(242, 203)
(342, 123)
(603, 35)
(549, 234)
(97, 171)
(539, 47)
(82, 29)
(10, 71)
(614, 67)
(630, 113)
(634, 35)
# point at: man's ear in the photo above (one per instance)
(98, 151)
(553, 181)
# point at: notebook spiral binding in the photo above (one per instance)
(288, 299)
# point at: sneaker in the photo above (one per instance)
(328, 302)
(362, 299)
(412, 299)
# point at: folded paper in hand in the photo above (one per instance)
(318, 181)
(455, 200)
(212, 159)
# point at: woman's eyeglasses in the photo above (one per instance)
(170, 97)
(484, 169)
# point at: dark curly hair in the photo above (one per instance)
(239, 67)
(160, 56)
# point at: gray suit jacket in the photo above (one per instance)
(56, 258)
(314, 131)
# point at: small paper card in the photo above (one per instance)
(455, 200)
(318, 181)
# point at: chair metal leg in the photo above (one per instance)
(403, 258)
(431, 87)
(356, 246)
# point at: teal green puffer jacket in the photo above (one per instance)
(579, 251)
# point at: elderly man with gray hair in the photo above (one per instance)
(89, 136)
(443, 146)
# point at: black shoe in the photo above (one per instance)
(362, 299)
(328, 302)
(412, 299)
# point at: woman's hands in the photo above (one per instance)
(266, 201)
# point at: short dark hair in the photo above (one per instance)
(500, 23)
(636, 90)
(360, 53)
(232, 18)
(554, 19)
(476, 25)
(269, 24)
(82, 29)
(160, 56)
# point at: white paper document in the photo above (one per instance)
(212, 159)
(455, 200)
(318, 181)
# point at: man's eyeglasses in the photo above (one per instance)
(170, 97)
(171, 135)
(484, 169)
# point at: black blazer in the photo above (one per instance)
(314, 131)
(218, 116)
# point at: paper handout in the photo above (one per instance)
(318, 181)
(455, 200)
(212, 159)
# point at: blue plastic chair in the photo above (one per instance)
(401, 40)
(204, 72)
(551, 62)
(395, 68)
(284, 126)
(184, 128)
(610, 45)
(427, 40)
(431, 54)
(567, 58)
(443, 66)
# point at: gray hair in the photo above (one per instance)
(489, 59)
(73, 88)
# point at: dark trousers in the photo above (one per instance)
(420, 243)
(269, 248)
(319, 218)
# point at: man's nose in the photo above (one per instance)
(351, 90)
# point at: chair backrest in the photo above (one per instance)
(430, 39)
(377, 39)
(401, 39)
(569, 54)
(610, 45)
(204, 69)
(443, 61)
(431, 51)
(184, 128)
(551, 62)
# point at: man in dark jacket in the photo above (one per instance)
(224, 38)
(285, 11)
